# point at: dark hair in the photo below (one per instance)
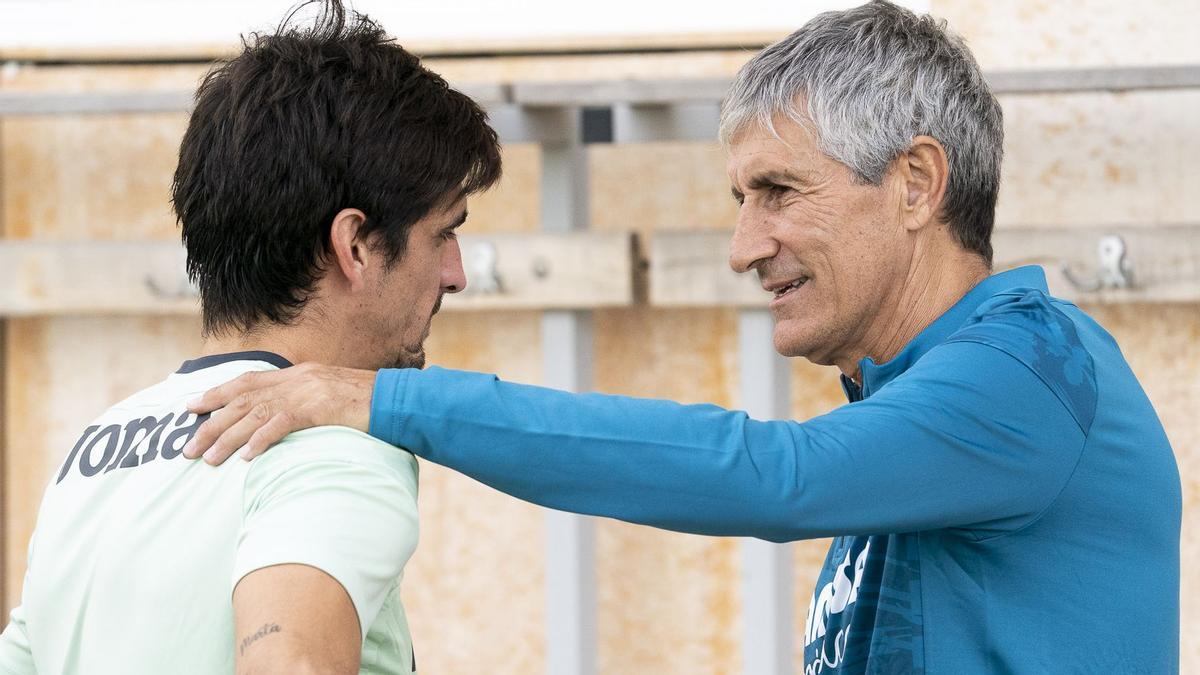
(304, 123)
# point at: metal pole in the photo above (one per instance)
(766, 568)
(571, 642)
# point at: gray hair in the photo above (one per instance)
(868, 80)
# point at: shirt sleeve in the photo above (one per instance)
(336, 500)
(16, 658)
(16, 654)
(969, 437)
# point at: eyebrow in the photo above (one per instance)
(462, 218)
(777, 177)
(772, 178)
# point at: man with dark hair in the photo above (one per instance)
(320, 182)
(1002, 494)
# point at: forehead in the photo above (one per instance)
(450, 207)
(756, 150)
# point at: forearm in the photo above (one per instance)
(694, 468)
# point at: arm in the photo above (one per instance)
(329, 523)
(970, 437)
(294, 619)
(985, 447)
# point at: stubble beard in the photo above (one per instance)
(414, 356)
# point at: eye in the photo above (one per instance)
(448, 235)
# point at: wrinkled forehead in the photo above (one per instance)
(783, 147)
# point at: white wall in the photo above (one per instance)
(50, 24)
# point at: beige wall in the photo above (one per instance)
(668, 603)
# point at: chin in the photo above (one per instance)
(409, 358)
(799, 342)
(788, 345)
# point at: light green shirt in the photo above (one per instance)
(137, 549)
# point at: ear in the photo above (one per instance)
(923, 171)
(350, 250)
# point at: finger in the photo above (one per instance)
(238, 434)
(222, 395)
(280, 425)
(218, 423)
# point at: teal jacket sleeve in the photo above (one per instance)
(909, 458)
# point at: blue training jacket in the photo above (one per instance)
(1002, 495)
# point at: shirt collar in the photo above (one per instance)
(217, 359)
(876, 375)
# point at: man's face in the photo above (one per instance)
(830, 250)
(410, 292)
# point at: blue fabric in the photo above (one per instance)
(1002, 494)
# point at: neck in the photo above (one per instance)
(928, 291)
(297, 343)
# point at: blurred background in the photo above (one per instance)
(608, 114)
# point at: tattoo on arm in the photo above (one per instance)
(267, 629)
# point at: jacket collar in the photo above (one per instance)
(875, 375)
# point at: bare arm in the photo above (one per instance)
(293, 619)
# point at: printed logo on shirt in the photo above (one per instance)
(832, 600)
(133, 443)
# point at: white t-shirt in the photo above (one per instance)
(137, 549)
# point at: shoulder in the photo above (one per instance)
(1035, 330)
(340, 455)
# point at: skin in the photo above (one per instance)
(880, 263)
(365, 314)
(294, 619)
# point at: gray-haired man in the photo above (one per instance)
(1002, 494)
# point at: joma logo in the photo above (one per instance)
(116, 446)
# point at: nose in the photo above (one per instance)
(752, 241)
(454, 279)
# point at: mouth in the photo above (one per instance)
(782, 290)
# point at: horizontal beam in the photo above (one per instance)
(583, 270)
(547, 270)
(1069, 80)
(505, 272)
(96, 102)
(609, 92)
(674, 91)
(165, 101)
(98, 277)
(691, 269)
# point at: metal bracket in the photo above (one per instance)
(1113, 268)
(184, 289)
(483, 277)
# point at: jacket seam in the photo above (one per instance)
(1082, 445)
(1070, 411)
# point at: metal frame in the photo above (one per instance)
(629, 91)
(571, 633)
(768, 615)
